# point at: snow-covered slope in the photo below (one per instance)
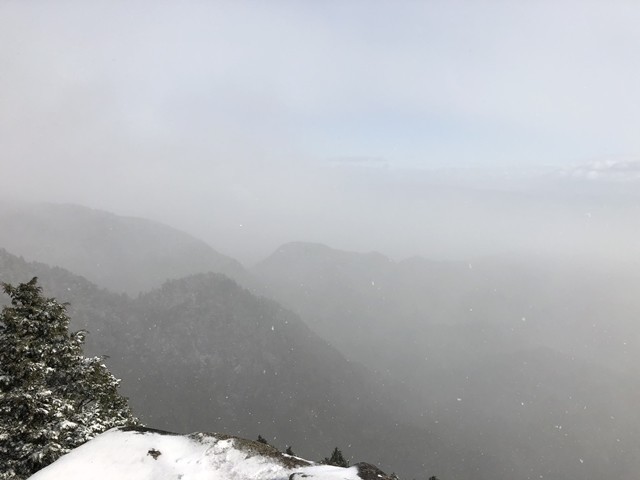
(144, 454)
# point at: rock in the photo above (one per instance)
(366, 471)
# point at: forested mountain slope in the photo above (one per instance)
(203, 354)
(496, 358)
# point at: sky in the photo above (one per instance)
(159, 109)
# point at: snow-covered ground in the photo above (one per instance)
(150, 455)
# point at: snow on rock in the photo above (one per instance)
(134, 453)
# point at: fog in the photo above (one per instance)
(250, 125)
(500, 135)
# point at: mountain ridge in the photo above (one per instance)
(124, 254)
(240, 364)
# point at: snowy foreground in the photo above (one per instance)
(144, 454)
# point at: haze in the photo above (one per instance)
(487, 152)
(347, 123)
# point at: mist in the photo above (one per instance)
(249, 126)
(423, 177)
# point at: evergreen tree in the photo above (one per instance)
(289, 451)
(52, 398)
(261, 439)
(336, 459)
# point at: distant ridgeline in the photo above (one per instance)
(123, 254)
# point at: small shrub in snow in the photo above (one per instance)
(336, 459)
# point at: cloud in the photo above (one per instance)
(283, 75)
(231, 111)
(608, 169)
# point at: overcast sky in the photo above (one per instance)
(142, 107)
